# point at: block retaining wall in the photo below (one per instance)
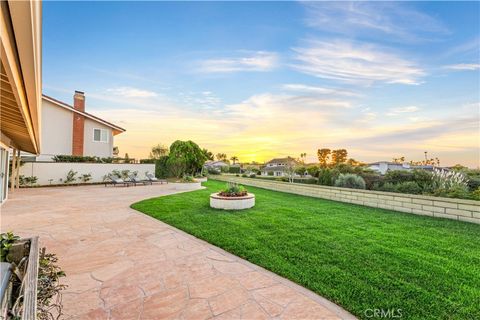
(455, 209)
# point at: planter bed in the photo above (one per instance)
(232, 203)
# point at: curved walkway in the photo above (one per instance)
(121, 264)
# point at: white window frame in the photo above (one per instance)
(101, 130)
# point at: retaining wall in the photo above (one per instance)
(456, 209)
(51, 172)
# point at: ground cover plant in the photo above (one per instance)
(358, 257)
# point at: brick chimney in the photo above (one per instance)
(78, 123)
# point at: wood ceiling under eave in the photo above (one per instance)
(12, 123)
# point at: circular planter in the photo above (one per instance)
(204, 179)
(186, 185)
(232, 203)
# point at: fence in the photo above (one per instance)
(456, 209)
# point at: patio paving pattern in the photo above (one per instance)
(121, 264)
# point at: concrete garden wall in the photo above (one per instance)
(456, 209)
(55, 171)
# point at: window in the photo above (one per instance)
(100, 135)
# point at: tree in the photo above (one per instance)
(234, 159)
(354, 163)
(221, 157)
(323, 157)
(399, 160)
(158, 151)
(185, 157)
(339, 156)
(303, 157)
(208, 154)
(290, 168)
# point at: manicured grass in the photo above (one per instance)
(358, 257)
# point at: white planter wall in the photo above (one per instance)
(45, 171)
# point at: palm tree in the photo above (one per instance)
(221, 156)
(234, 158)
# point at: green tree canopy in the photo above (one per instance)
(185, 157)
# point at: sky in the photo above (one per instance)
(268, 79)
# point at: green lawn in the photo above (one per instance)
(358, 257)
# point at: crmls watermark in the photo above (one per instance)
(383, 313)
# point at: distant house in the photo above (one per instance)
(215, 165)
(277, 167)
(69, 130)
(383, 166)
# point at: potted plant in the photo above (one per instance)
(232, 197)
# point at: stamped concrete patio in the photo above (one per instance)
(121, 264)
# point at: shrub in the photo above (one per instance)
(476, 194)
(161, 168)
(71, 176)
(253, 175)
(233, 190)
(386, 187)
(371, 178)
(224, 169)
(423, 178)
(410, 187)
(325, 177)
(397, 176)
(349, 180)
(233, 169)
(27, 181)
(313, 171)
(244, 175)
(85, 177)
(147, 160)
(187, 178)
(270, 173)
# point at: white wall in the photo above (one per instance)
(56, 136)
(96, 148)
(45, 171)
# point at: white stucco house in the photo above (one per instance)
(383, 166)
(277, 167)
(70, 130)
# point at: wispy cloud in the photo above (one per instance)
(402, 110)
(129, 92)
(463, 66)
(398, 20)
(295, 87)
(256, 61)
(355, 62)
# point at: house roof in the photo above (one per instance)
(215, 163)
(116, 129)
(281, 160)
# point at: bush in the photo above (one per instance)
(386, 187)
(244, 175)
(325, 177)
(162, 170)
(233, 169)
(270, 173)
(476, 194)
(147, 160)
(397, 176)
(409, 187)
(349, 180)
(253, 175)
(424, 179)
(313, 171)
(371, 178)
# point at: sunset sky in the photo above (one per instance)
(266, 79)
